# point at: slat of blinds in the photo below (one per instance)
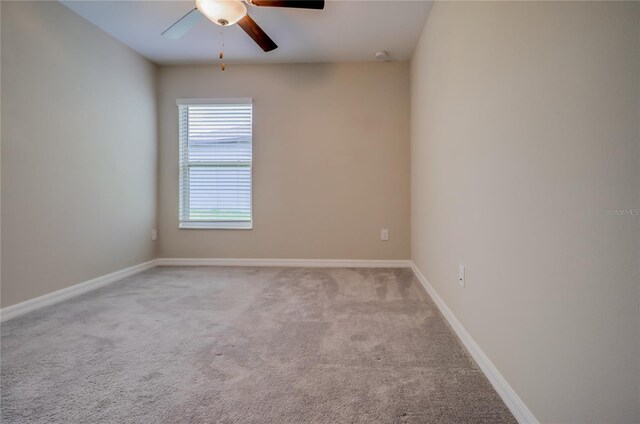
(215, 162)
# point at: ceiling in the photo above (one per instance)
(346, 30)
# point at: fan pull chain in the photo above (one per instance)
(221, 56)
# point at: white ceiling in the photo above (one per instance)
(344, 31)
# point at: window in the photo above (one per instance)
(215, 163)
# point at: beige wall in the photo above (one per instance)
(524, 131)
(78, 151)
(331, 160)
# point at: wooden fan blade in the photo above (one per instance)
(183, 25)
(298, 4)
(259, 36)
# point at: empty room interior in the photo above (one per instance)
(310, 211)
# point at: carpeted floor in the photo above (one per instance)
(244, 345)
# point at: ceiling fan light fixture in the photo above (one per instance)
(222, 12)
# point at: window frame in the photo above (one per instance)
(182, 196)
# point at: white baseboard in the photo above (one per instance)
(312, 263)
(77, 289)
(68, 292)
(517, 407)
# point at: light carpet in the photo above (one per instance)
(244, 345)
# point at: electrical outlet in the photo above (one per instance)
(461, 276)
(154, 234)
(384, 234)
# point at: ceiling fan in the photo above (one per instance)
(229, 12)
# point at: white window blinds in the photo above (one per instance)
(215, 163)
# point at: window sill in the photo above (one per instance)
(215, 225)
